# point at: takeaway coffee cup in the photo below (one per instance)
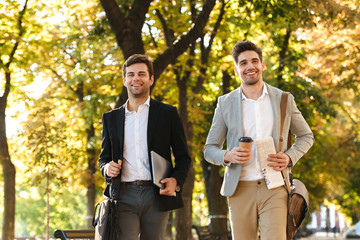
(246, 142)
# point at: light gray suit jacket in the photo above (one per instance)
(227, 124)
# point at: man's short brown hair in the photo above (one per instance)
(139, 58)
(243, 46)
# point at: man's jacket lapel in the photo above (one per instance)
(119, 126)
(275, 103)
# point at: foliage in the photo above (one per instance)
(66, 209)
(310, 49)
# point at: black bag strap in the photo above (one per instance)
(283, 106)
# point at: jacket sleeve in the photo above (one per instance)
(304, 136)
(213, 150)
(179, 148)
(106, 154)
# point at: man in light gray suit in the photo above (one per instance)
(253, 110)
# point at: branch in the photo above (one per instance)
(75, 61)
(151, 35)
(171, 53)
(76, 92)
(114, 16)
(217, 25)
(182, 43)
(168, 36)
(21, 33)
(12, 54)
(205, 51)
(127, 29)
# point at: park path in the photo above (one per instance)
(325, 236)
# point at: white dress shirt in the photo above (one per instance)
(136, 165)
(258, 123)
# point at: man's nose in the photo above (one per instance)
(250, 65)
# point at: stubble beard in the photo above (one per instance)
(251, 82)
(139, 94)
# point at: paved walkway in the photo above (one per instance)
(324, 236)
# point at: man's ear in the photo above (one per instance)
(263, 65)
(151, 80)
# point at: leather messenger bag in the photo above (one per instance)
(298, 199)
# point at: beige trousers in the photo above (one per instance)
(254, 208)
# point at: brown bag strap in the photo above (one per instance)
(283, 106)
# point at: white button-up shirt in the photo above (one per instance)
(258, 123)
(136, 165)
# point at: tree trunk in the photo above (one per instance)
(216, 203)
(8, 226)
(127, 30)
(226, 82)
(91, 192)
(91, 157)
(9, 172)
(282, 58)
(183, 219)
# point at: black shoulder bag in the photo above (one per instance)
(105, 217)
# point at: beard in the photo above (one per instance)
(139, 93)
(251, 81)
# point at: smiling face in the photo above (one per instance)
(249, 68)
(138, 81)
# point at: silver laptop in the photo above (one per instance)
(161, 168)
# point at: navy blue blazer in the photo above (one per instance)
(165, 132)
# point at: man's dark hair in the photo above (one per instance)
(243, 46)
(139, 58)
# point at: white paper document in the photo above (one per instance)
(265, 147)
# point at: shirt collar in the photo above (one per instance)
(264, 92)
(146, 103)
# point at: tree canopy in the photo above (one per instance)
(60, 70)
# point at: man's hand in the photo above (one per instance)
(279, 161)
(238, 155)
(170, 185)
(113, 168)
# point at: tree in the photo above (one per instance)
(310, 48)
(45, 136)
(10, 49)
(127, 22)
(333, 64)
(84, 72)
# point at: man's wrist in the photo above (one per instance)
(226, 162)
(290, 164)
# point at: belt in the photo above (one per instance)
(139, 183)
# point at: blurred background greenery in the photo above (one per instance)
(60, 70)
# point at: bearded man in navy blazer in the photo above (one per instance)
(129, 134)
